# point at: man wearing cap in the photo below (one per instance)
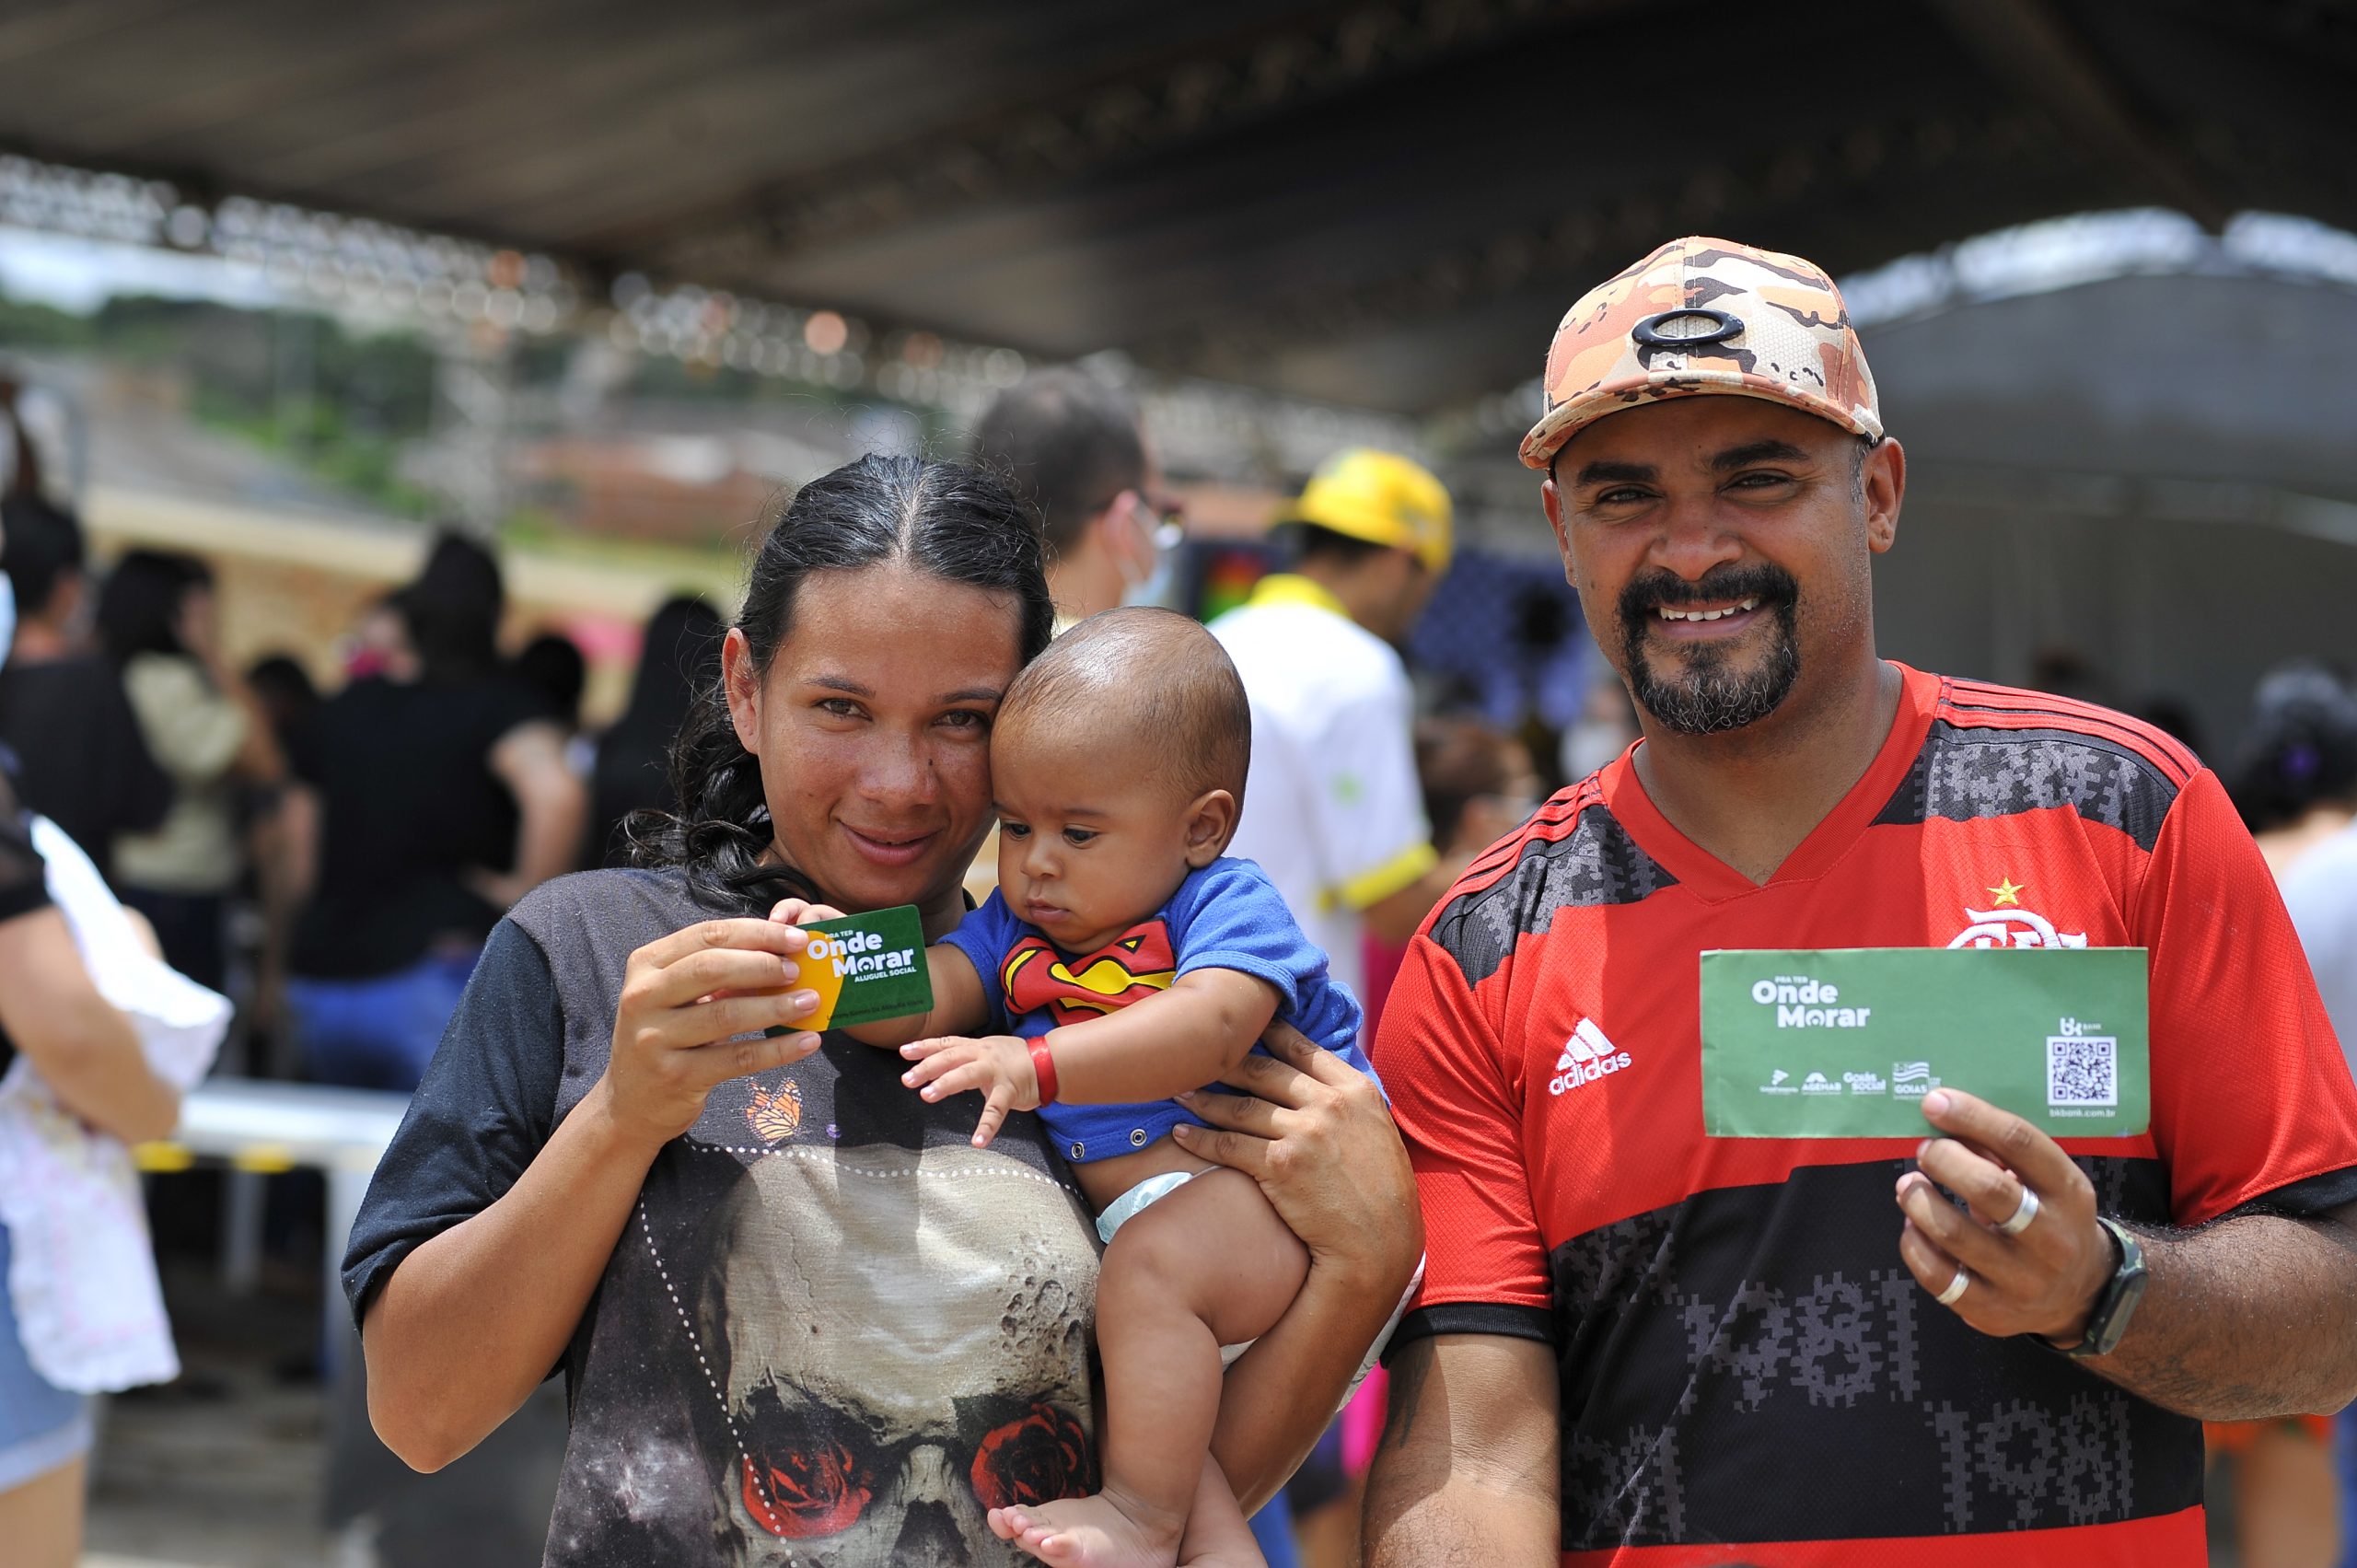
(1637, 1344)
(1331, 807)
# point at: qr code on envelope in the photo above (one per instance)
(2082, 1069)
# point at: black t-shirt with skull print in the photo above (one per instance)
(834, 1331)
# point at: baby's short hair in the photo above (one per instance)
(1158, 674)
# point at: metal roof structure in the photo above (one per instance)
(1378, 202)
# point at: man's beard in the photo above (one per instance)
(1706, 697)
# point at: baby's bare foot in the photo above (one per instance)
(1090, 1532)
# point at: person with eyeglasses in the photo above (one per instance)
(1072, 448)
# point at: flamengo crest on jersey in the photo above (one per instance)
(1586, 1057)
(2013, 928)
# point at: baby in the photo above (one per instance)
(1131, 963)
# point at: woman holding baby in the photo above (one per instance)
(803, 1317)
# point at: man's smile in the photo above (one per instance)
(1740, 608)
(1705, 623)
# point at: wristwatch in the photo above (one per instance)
(2116, 1303)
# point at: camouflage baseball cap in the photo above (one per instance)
(1706, 316)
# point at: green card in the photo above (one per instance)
(1844, 1043)
(864, 967)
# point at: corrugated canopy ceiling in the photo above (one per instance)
(1385, 204)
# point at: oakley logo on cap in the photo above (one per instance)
(1689, 328)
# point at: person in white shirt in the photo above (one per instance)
(2295, 782)
(2321, 893)
(1333, 811)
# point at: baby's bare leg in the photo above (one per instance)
(1211, 1264)
(1218, 1535)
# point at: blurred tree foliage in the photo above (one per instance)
(339, 402)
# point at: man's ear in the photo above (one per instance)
(742, 684)
(1883, 481)
(1551, 500)
(1108, 523)
(1211, 822)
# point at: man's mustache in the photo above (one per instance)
(1759, 580)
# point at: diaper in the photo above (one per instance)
(1138, 1200)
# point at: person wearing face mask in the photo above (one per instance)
(1070, 448)
(428, 806)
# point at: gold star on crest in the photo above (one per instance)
(2006, 892)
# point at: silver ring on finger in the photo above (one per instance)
(2022, 1216)
(1954, 1292)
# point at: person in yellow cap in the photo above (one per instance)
(1331, 811)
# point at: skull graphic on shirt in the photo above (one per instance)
(899, 1341)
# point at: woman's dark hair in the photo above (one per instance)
(44, 548)
(1458, 759)
(452, 609)
(2301, 749)
(552, 666)
(139, 608)
(679, 658)
(946, 520)
(284, 689)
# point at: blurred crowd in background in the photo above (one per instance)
(331, 859)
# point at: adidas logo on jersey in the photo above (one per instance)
(1586, 1057)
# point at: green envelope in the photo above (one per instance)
(1845, 1042)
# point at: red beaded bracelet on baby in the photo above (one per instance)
(1043, 1067)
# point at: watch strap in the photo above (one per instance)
(2105, 1319)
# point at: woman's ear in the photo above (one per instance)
(742, 684)
(1211, 822)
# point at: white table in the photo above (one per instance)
(261, 1128)
(268, 1127)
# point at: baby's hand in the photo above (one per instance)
(801, 912)
(999, 1066)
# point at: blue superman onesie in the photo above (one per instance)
(1227, 916)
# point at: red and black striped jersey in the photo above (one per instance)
(1748, 1373)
